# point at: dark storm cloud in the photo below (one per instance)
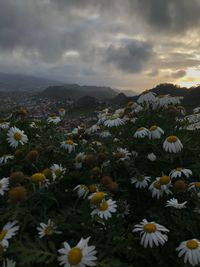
(97, 40)
(171, 15)
(130, 57)
(36, 27)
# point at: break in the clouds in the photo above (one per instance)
(130, 44)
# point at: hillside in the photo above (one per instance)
(74, 92)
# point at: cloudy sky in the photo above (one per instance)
(126, 44)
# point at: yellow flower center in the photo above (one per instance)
(69, 142)
(141, 178)
(172, 139)
(179, 169)
(97, 197)
(164, 180)
(48, 230)
(92, 188)
(157, 185)
(61, 109)
(83, 186)
(120, 155)
(192, 244)
(103, 206)
(17, 136)
(38, 177)
(153, 128)
(3, 233)
(58, 172)
(197, 184)
(74, 256)
(150, 228)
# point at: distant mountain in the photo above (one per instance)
(75, 91)
(18, 82)
(129, 93)
(120, 99)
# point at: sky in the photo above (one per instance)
(125, 44)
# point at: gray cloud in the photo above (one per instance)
(170, 15)
(130, 57)
(113, 41)
(178, 74)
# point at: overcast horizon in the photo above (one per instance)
(125, 44)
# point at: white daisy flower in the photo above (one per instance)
(53, 119)
(69, 145)
(122, 154)
(9, 263)
(47, 229)
(147, 97)
(190, 249)
(178, 172)
(105, 209)
(105, 163)
(172, 144)
(75, 131)
(4, 125)
(195, 186)
(57, 170)
(4, 184)
(82, 190)
(96, 198)
(140, 181)
(155, 132)
(151, 157)
(15, 137)
(105, 134)
(79, 160)
(9, 230)
(165, 182)
(93, 129)
(151, 233)
(196, 110)
(141, 132)
(81, 255)
(5, 158)
(158, 190)
(138, 108)
(33, 125)
(112, 121)
(173, 202)
(119, 111)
